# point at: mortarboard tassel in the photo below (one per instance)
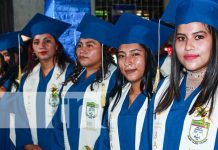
(157, 76)
(156, 80)
(19, 60)
(103, 97)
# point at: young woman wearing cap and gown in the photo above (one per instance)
(8, 83)
(131, 94)
(47, 68)
(183, 113)
(8, 49)
(83, 95)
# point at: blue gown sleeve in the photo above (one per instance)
(103, 141)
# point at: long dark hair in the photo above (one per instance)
(146, 82)
(208, 84)
(11, 71)
(107, 61)
(61, 58)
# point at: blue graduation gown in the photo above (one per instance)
(174, 121)
(127, 119)
(44, 134)
(127, 122)
(74, 114)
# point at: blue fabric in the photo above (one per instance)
(75, 105)
(138, 30)
(5, 142)
(204, 11)
(73, 113)
(174, 124)
(8, 40)
(6, 85)
(41, 24)
(46, 136)
(147, 130)
(90, 24)
(127, 122)
(126, 125)
(12, 103)
(103, 142)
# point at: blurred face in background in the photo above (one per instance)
(6, 56)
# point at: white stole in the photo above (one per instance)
(63, 113)
(190, 139)
(30, 93)
(197, 137)
(113, 120)
(92, 111)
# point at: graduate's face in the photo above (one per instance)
(131, 61)
(44, 46)
(89, 53)
(193, 45)
(6, 56)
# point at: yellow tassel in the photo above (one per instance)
(156, 81)
(87, 147)
(19, 74)
(103, 97)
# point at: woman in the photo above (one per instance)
(8, 48)
(83, 95)
(8, 83)
(183, 113)
(46, 70)
(133, 90)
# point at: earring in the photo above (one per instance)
(34, 56)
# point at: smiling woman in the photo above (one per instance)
(47, 67)
(135, 76)
(183, 113)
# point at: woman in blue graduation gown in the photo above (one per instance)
(8, 49)
(8, 83)
(86, 93)
(47, 68)
(136, 72)
(183, 113)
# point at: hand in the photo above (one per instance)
(32, 147)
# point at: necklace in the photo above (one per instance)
(194, 79)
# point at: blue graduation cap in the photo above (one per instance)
(95, 28)
(41, 24)
(132, 29)
(186, 11)
(9, 40)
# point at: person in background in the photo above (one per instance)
(137, 43)
(8, 47)
(8, 83)
(183, 113)
(85, 94)
(2, 65)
